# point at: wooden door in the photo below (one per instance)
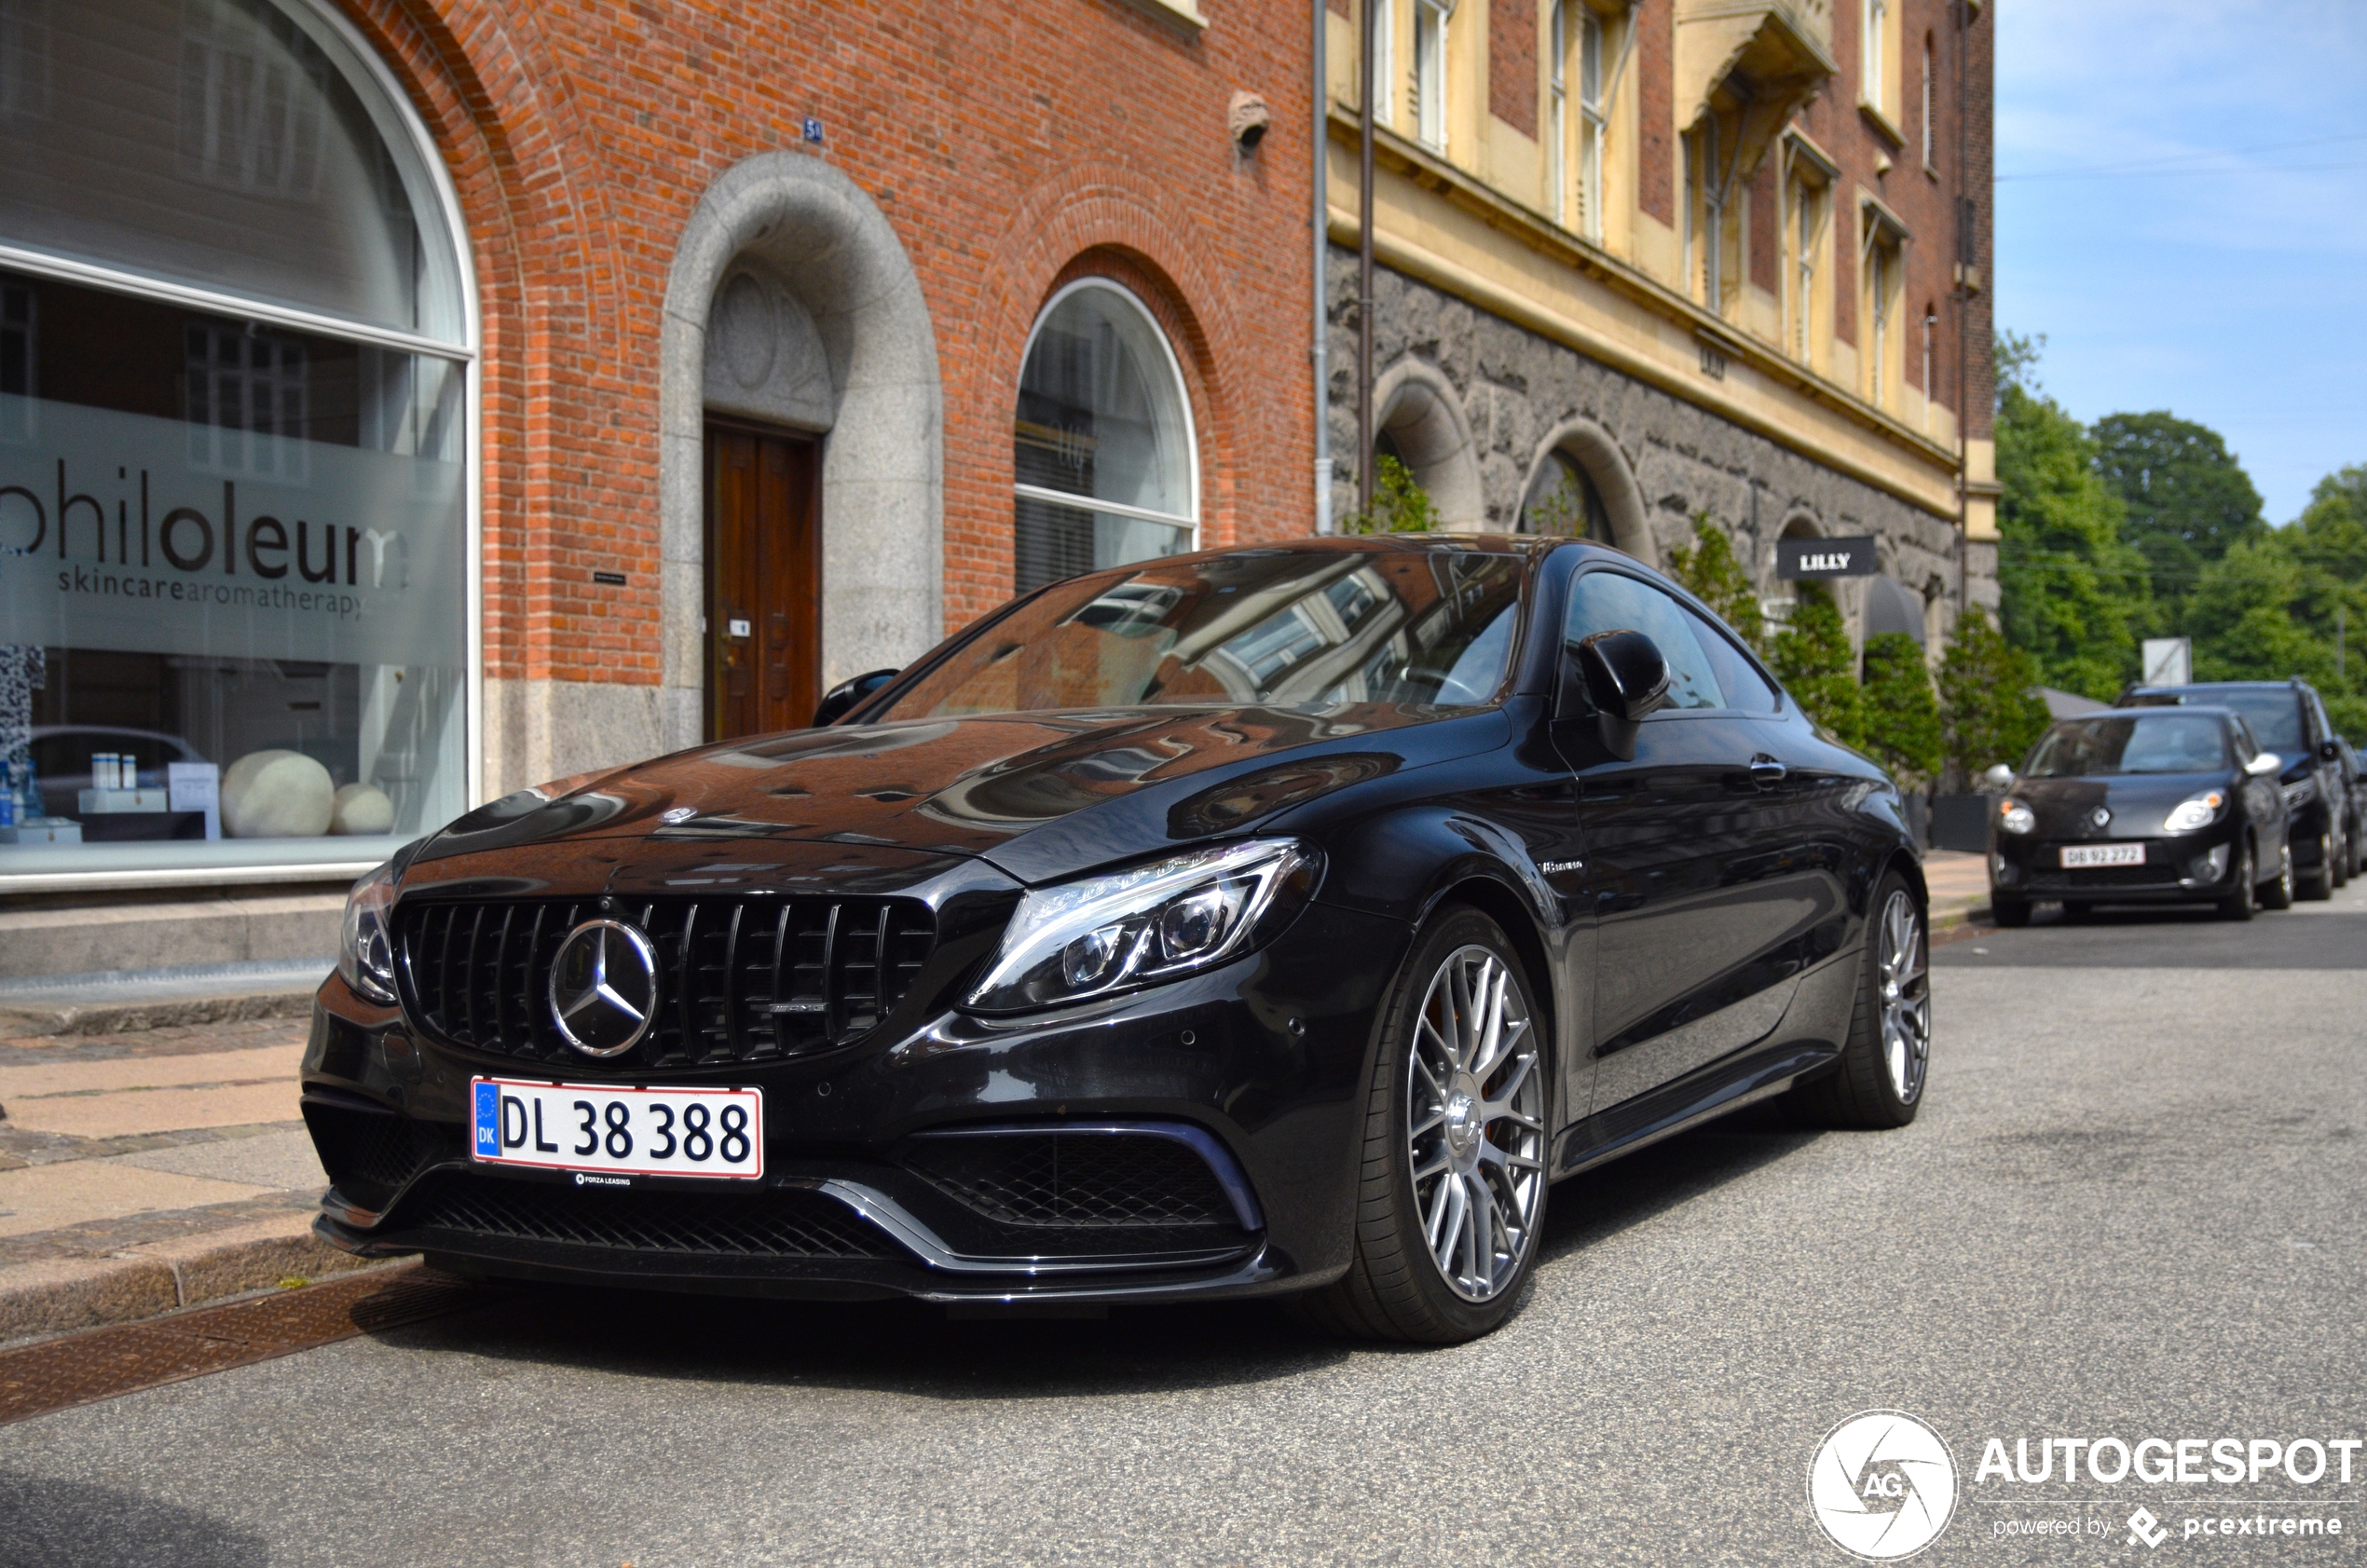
(764, 582)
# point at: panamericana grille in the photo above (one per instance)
(1090, 1180)
(770, 1224)
(739, 979)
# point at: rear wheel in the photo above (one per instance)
(2320, 884)
(2238, 905)
(2277, 893)
(1880, 1080)
(1453, 1188)
(2009, 911)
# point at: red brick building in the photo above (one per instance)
(661, 363)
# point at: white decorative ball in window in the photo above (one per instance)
(277, 795)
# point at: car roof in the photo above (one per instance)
(2294, 685)
(2147, 712)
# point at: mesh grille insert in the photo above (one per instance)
(368, 1154)
(772, 1224)
(1096, 1181)
(739, 980)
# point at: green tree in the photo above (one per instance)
(2075, 597)
(1711, 573)
(1902, 712)
(1811, 658)
(1989, 711)
(1399, 506)
(2186, 497)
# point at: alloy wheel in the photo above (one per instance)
(1904, 986)
(1475, 1123)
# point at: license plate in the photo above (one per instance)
(2076, 856)
(599, 1127)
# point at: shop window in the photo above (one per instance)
(1102, 446)
(234, 411)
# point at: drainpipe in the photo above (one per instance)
(1964, 323)
(1321, 354)
(1364, 487)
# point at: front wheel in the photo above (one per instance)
(2278, 894)
(1453, 1187)
(1880, 1080)
(2320, 884)
(2009, 912)
(2238, 905)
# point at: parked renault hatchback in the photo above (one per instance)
(1270, 921)
(2138, 806)
(2288, 719)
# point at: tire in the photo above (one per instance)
(2340, 863)
(2357, 849)
(2009, 912)
(2318, 886)
(2277, 893)
(1880, 1080)
(1426, 1158)
(2238, 905)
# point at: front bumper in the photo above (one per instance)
(1200, 1139)
(2189, 868)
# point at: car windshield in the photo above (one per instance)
(1295, 628)
(2121, 743)
(2275, 716)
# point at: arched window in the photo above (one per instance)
(1103, 449)
(235, 421)
(1564, 500)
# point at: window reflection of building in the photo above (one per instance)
(1101, 418)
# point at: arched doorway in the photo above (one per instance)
(1564, 501)
(799, 394)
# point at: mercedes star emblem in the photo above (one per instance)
(604, 988)
(2100, 816)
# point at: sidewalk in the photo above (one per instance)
(1959, 886)
(146, 1171)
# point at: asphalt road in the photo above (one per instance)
(2131, 1207)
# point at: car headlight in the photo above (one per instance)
(2199, 810)
(2014, 817)
(1137, 927)
(365, 948)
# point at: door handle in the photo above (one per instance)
(1765, 771)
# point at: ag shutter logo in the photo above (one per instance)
(1881, 1485)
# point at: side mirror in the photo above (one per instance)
(2266, 764)
(1999, 776)
(2329, 751)
(1626, 679)
(843, 697)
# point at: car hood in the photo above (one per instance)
(2138, 802)
(1040, 796)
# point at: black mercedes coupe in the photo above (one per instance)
(1279, 920)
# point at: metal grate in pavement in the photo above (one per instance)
(104, 1363)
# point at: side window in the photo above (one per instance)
(1610, 601)
(1745, 688)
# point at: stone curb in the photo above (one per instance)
(54, 1298)
(28, 1020)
